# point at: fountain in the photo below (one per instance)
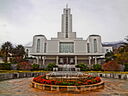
(67, 80)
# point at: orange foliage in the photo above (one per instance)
(112, 66)
(24, 66)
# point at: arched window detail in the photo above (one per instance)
(38, 45)
(95, 45)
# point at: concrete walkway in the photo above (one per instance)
(21, 87)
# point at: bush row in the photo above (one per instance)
(109, 66)
(19, 66)
(5, 66)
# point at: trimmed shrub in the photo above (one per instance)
(82, 66)
(35, 66)
(97, 67)
(50, 66)
(5, 66)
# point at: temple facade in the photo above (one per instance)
(67, 48)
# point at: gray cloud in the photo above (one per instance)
(25, 18)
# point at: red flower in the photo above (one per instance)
(85, 83)
(89, 81)
(89, 75)
(97, 79)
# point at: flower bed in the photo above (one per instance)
(85, 81)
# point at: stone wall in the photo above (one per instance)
(111, 75)
(6, 76)
(64, 88)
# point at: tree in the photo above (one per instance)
(123, 48)
(112, 66)
(18, 53)
(6, 50)
(109, 56)
(122, 58)
(122, 54)
(1, 53)
(118, 58)
(19, 50)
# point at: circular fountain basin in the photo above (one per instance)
(66, 76)
(68, 88)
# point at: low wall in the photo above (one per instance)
(67, 88)
(6, 76)
(111, 75)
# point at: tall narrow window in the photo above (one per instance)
(66, 24)
(38, 45)
(88, 48)
(95, 45)
(45, 44)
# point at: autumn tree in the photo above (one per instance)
(24, 66)
(112, 66)
(122, 53)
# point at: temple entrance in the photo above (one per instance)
(67, 60)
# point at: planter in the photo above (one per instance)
(81, 88)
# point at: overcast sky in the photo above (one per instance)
(20, 20)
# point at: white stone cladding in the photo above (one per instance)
(52, 46)
(77, 48)
(80, 46)
(83, 50)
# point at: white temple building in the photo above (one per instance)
(67, 48)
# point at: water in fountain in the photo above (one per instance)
(66, 74)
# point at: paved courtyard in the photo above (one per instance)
(21, 87)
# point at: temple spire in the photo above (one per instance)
(66, 5)
(66, 22)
